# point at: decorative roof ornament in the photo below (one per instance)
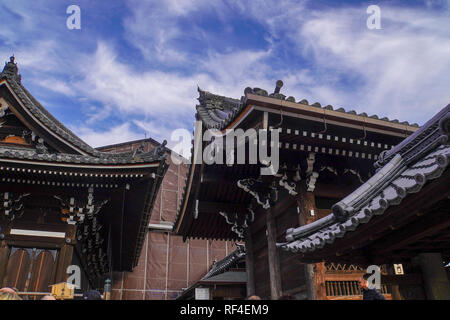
(278, 86)
(139, 150)
(160, 151)
(11, 71)
(3, 110)
(40, 147)
(276, 93)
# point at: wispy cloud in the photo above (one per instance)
(137, 69)
(117, 134)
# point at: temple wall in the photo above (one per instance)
(167, 264)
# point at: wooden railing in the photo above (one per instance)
(347, 288)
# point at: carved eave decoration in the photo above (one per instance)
(13, 206)
(239, 222)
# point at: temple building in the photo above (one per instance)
(399, 216)
(325, 153)
(346, 191)
(65, 205)
(168, 266)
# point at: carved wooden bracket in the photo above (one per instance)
(74, 210)
(257, 189)
(239, 222)
(12, 204)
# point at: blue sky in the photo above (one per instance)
(133, 68)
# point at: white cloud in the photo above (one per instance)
(404, 68)
(116, 134)
(166, 95)
(401, 71)
(147, 93)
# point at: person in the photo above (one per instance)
(8, 289)
(48, 297)
(7, 295)
(369, 293)
(92, 295)
(254, 298)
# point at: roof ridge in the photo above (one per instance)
(211, 105)
(280, 96)
(434, 132)
(10, 73)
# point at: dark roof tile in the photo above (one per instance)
(421, 157)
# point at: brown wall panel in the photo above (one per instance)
(157, 208)
(133, 295)
(177, 277)
(17, 269)
(136, 280)
(197, 258)
(42, 274)
(157, 261)
(216, 251)
(169, 205)
(155, 295)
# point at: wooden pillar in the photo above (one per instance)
(249, 263)
(63, 261)
(4, 255)
(395, 288)
(319, 281)
(65, 255)
(274, 261)
(436, 283)
(314, 273)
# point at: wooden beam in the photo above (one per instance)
(435, 278)
(224, 178)
(332, 116)
(249, 263)
(64, 260)
(407, 279)
(279, 208)
(413, 232)
(274, 260)
(215, 207)
(315, 280)
(430, 194)
(333, 191)
(4, 256)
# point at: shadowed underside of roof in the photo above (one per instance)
(220, 112)
(405, 169)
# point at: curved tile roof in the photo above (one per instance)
(10, 73)
(218, 111)
(226, 263)
(31, 154)
(421, 157)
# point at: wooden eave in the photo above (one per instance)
(331, 116)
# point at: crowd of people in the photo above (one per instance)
(8, 293)
(368, 293)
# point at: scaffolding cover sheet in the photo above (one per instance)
(167, 265)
